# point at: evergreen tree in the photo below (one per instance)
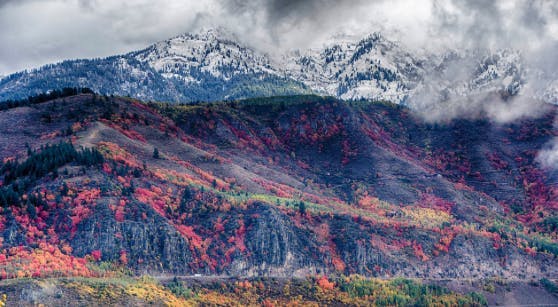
(302, 208)
(31, 210)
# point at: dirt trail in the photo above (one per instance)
(90, 136)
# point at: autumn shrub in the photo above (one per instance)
(549, 285)
(179, 289)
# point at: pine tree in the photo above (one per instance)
(302, 208)
(31, 210)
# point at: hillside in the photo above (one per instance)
(275, 187)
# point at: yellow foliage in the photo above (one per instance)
(152, 292)
(427, 216)
(145, 289)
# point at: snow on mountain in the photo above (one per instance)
(373, 67)
(462, 73)
(214, 52)
(550, 94)
(207, 66)
(214, 65)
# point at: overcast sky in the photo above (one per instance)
(37, 32)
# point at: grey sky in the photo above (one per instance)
(37, 32)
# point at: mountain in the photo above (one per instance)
(373, 68)
(213, 65)
(284, 186)
(202, 67)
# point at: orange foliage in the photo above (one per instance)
(445, 241)
(417, 249)
(338, 264)
(132, 134)
(324, 283)
(45, 261)
(188, 231)
(278, 189)
(118, 154)
(123, 257)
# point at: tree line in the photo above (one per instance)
(42, 97)
(18, 177)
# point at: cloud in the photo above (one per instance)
(36, 32)
(267, 24)
(494, 24)
(274, 25)
(530, 28)
(11, 2)
(548, 157)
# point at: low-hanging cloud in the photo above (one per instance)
(523, 32)
(548, 157)
(36, 32)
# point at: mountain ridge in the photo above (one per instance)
(213, 65)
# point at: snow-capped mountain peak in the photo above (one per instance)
(212, 51)
(212, 65)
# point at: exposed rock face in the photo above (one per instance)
(151, 245)
(276, 247)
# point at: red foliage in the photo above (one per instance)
(194, 239)
(155, 197)
(496, 161)
(119, 211)
(82, 206)
(218, 227)
(240, 236)
(348, 152)
(324, 283)
(281, 190)
(303, 165)
(314, 127)
(118, 154)
(96, 254)
(432, 201)
(207, 178)
(132, 134)
(419, 253)
(540, 196)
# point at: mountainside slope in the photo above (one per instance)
(285, 186)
